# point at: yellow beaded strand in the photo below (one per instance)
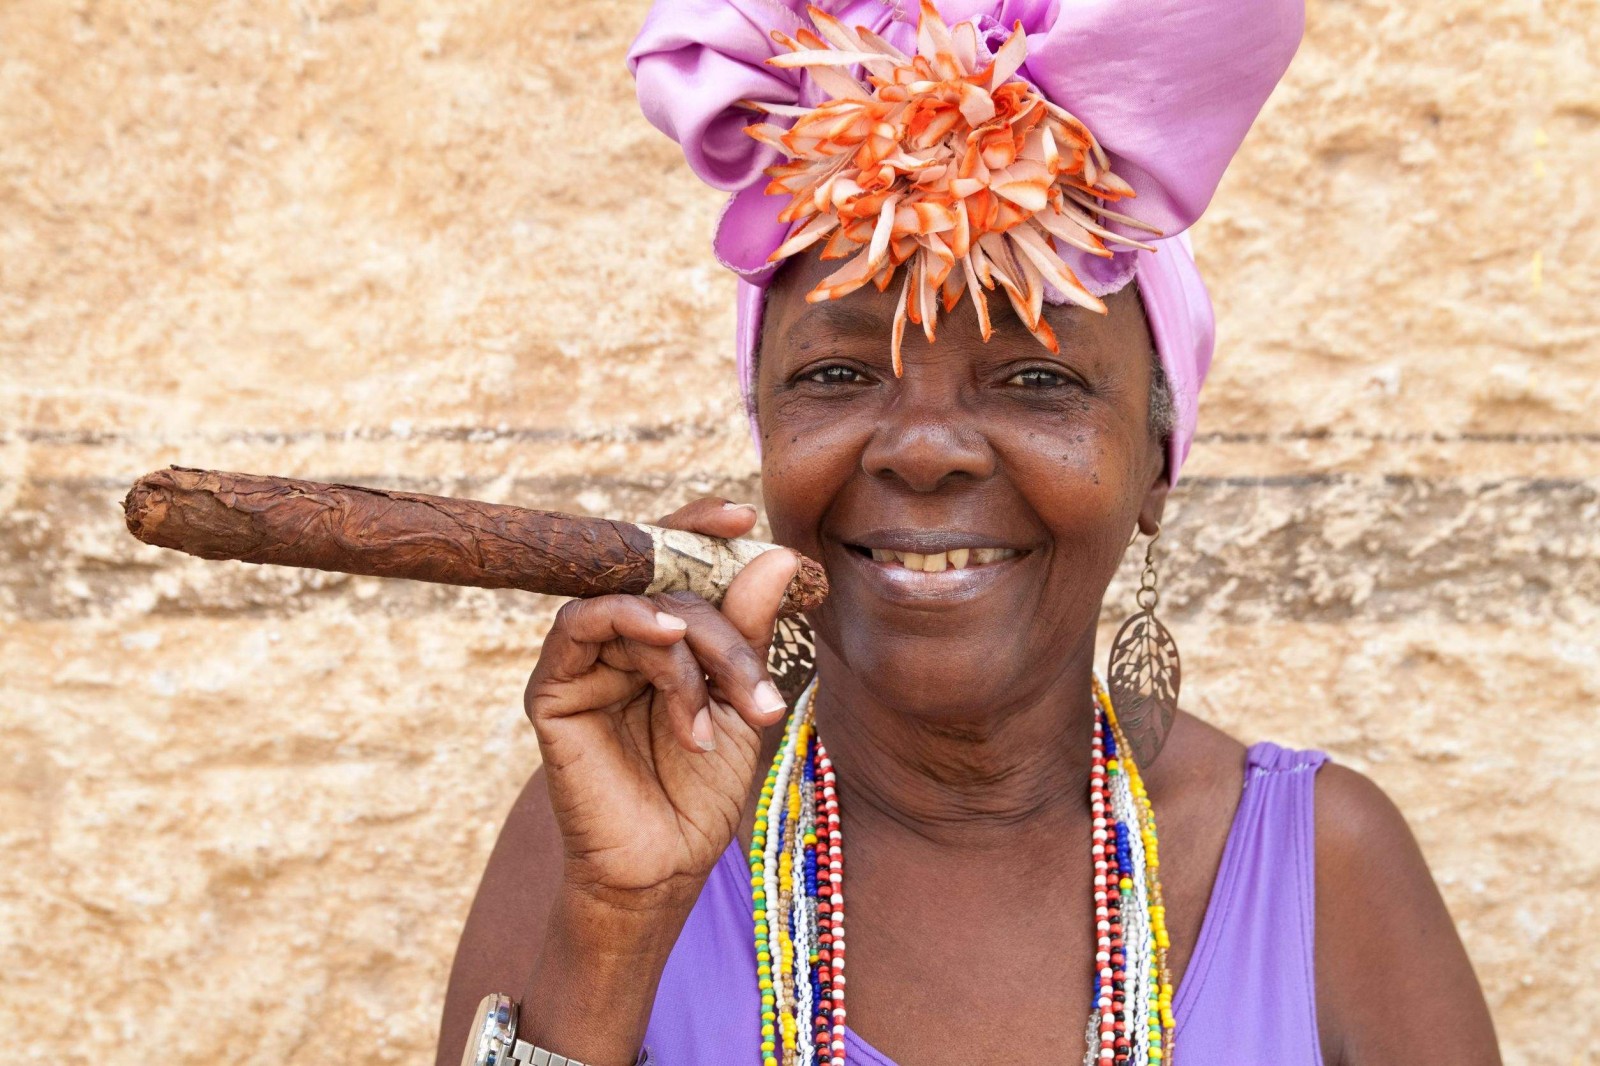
(767, 901)
(1161, 1051)
(758, 896)
(786, 1018)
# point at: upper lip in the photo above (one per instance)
(926, 541)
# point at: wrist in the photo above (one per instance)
(594, 983)
(625, 911)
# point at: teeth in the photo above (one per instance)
(954, 559)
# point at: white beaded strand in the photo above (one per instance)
(1138, 958)
(835, 888)
(796, 997)
(780, 792)
(1101, 1049)
(801, 917)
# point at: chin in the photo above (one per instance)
(928, 666)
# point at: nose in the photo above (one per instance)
(928, 442)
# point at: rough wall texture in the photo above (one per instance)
(434, 245)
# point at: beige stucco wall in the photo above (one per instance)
(434, 245)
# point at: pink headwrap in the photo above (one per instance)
(1169, 87)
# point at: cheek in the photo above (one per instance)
(1091, 448)
(1082, 482)
(805, 464)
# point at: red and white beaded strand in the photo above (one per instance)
(797, 882)
(833, 891)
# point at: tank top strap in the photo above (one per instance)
(1249, 994)
(707, 1008)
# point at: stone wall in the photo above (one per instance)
(434, 245)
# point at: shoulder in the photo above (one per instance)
(1394, 983)
(1370, 869)
(1195, 783)
(1198, 763)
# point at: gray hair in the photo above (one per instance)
(1163, 408)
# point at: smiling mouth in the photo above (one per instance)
(936, 562)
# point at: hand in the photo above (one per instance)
(648, 713)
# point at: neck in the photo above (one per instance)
(996, 780)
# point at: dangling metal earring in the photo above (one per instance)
(792, 659)
(1144, 672)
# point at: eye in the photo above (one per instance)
(834, 374)
(1038, 378)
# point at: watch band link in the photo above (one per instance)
(525, 1054)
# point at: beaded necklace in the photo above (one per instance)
(797, 887)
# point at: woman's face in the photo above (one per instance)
(1031, 468)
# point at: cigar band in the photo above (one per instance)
(690, 562)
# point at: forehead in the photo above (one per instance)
(790, 323)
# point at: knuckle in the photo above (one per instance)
(688, 673)
(684, 602)
(734, 662)
(533, 697)
(678, 519)
(689, 515)
(568, 614)
(739, 651)
(679, 682)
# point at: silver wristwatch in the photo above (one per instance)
(492, 1040)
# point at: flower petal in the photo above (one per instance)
(807, 235)
(980, 302)
(899, 328)
(933, 36)
(1009, 59)
(1050, 266)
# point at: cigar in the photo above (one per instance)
(350, 529)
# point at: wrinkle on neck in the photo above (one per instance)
(995, 781)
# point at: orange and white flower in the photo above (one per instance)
(943, 163)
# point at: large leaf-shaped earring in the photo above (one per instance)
(792, 659)
(1144, 672)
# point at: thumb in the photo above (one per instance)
(756, 593)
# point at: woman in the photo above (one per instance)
(971, 489)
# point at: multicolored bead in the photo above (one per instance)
(797, 888)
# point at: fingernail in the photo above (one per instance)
(769, 700)
(739, 507)
(701, 729)
(670, 621)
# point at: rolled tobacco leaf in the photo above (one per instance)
(383, 533)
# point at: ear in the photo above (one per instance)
(1155, 500)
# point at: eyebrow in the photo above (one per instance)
(840, 318)
(846, 319)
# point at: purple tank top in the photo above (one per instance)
(1249, 994)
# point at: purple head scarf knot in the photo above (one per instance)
(1169, 88)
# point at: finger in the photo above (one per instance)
(714, 517)
(582, 627)
(738, 674)
(680, 686)
(755, 596)
(628, 666)
(724, 721)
